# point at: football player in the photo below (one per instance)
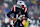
(21, 10)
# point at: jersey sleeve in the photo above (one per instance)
(25, 10)
(26, 14)
(10, 13)
(13, 10)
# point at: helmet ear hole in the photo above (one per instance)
(20, 2)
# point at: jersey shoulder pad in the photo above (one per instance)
(25, 10)
(14, 8)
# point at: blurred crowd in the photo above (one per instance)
(33, 11)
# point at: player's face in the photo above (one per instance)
(22, 6)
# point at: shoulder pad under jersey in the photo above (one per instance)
(13, 8)
(25, 10)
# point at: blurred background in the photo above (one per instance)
(33, 11)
